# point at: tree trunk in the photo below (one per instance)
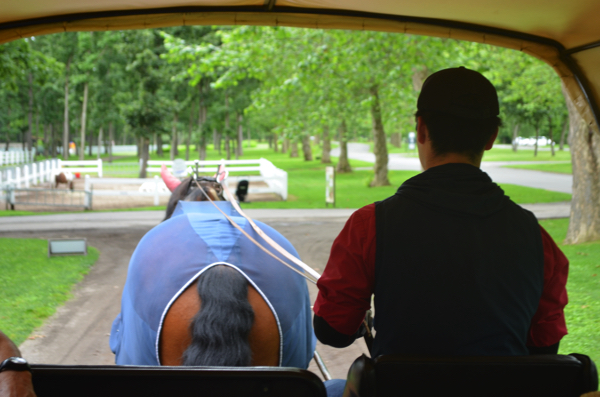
(379, 146)
(159, 145)
(111, 137)
(343, 165)
(100, 133)
(396, 139)
(249, 140)
(227, 148)
(562, 135)
(215, 141)
(145, 151)
(91, 144)
(306, 149)
(201, 121)
(174, 137)
(270, 141)
(140, 153)
(65, 143)
(7, 145)
(218, 135)
(240, 135)
(584, 141)
(188, 138)
(30, 114)
(83, 121)
(317, 140)
(515, 144)
(276, 143)
(537, 135)
(550, 135)
(285, 145)
(37, 129)
(326, 155)
(52, 141)
(293, 144)
(202, 148)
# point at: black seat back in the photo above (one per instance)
(543, 375)
(121, 381)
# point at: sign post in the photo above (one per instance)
(329, 186)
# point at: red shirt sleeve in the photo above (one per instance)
(548, 324)
(346, 286)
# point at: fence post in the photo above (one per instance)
(43, 169)
(18, 177)
(87, 191)
(26, 175)
(8, 177)
(34, 174)
(1, 158)
(99, 167)
(155, 190)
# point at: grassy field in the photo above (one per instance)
(32, 292)
(33, 285)
(306, 181)
(563, 168)
(583, 311)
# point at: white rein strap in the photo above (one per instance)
(312, 275)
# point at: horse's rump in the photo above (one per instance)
(170, 259)
(220, 320)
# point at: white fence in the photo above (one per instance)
(276, 179)
(29, 174)
(14, 157)
(87, 166)
(44, 171)
(148, 187)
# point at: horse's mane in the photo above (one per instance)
(189, 191)
(221, 328)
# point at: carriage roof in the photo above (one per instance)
(562, 33)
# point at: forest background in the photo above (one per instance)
(205, 85)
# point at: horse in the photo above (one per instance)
(64, 177)
(200, 293)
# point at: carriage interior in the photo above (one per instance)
(564, 34)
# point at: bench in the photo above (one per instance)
(127, 381)
(273, 177)
(541, 375)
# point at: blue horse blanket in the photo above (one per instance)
(175, 253)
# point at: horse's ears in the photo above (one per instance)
(170, 181)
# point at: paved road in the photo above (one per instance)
(496, 170)
(78, 333)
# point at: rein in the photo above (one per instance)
(312, 275)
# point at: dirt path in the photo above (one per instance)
(78, 333)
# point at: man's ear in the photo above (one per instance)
(491, 141)
(422, 131)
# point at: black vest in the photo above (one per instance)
(459, 267)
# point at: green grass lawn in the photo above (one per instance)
(306, 182)
(563, 168)
(33, 285)
(502, 154)
(583, 311)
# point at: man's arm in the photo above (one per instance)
(346, 286)
(13, 383)
(548, 324)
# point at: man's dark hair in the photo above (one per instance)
(452, 134)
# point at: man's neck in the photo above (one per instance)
(449, 158)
